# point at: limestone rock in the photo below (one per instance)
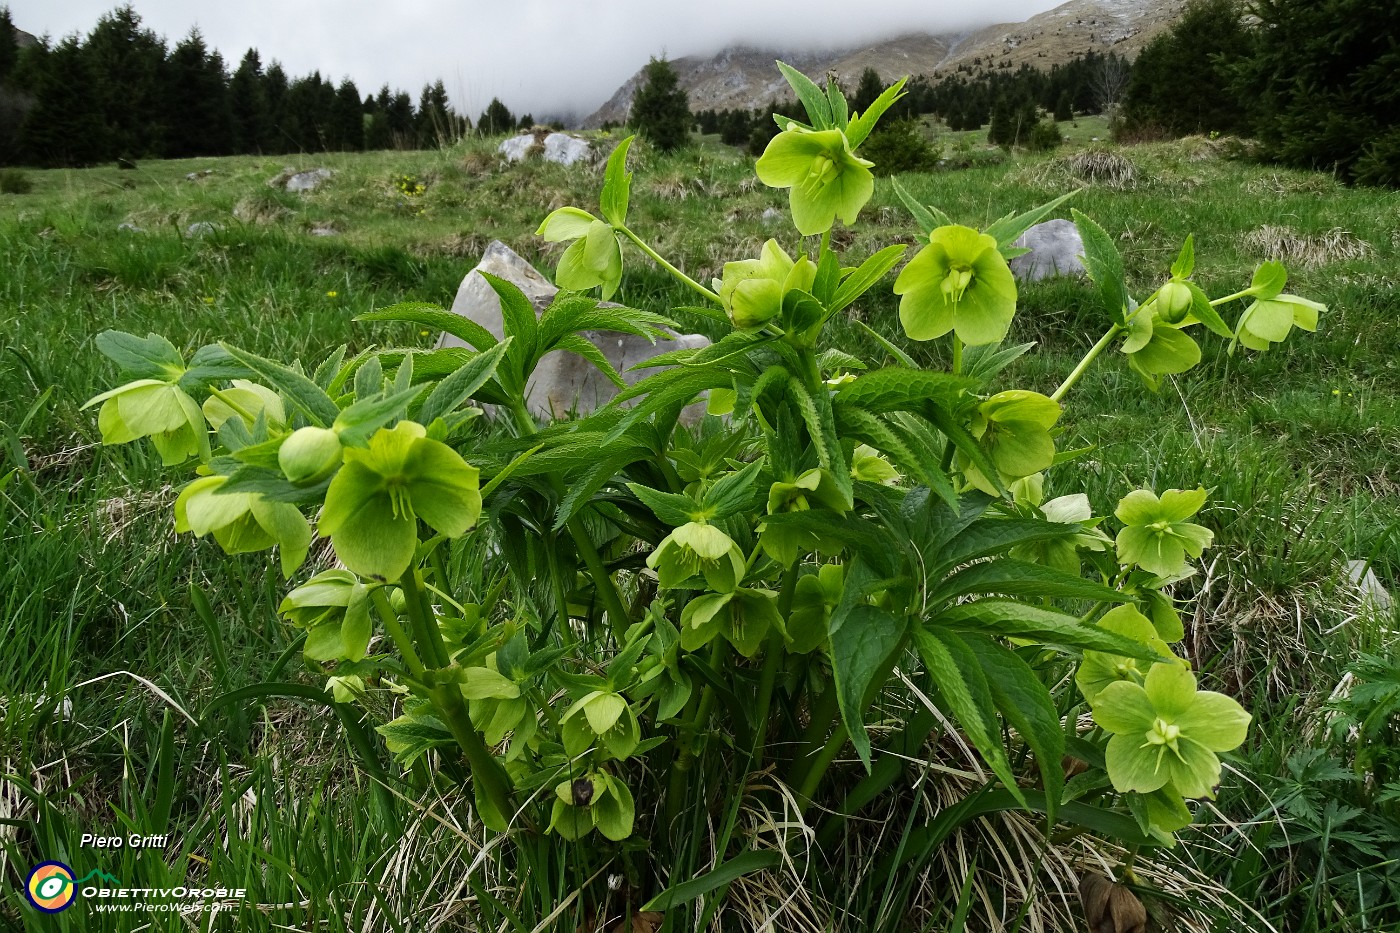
(1055, 249)
(562, 382)
(553, 147)
(1373, 593)
(202, 228)
(292, 180)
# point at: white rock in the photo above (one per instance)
(308, 181)
(553, 147)
(1373, 592)
(562, 382)
(202, 228)
(1055, 249)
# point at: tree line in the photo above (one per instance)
(122, 92)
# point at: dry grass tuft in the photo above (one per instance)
(1103, 167)
(1307, 250)
(261, 208)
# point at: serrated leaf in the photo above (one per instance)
(986, 360)
(865, 277)
(828, 277)
(962, 684)
(675, 510)
(862, 639)
(1203, 311)
(821, 425)
(429, 315)
(212, 363)
(356, 423)
(1029, 708)
(1104, 265)
(1186, 260)
(1009, 577)
(617, 185)
(732, 493)
(458, 387)
(1005, 618)
(149, 357)
(303, 394)
(895, 388)
(859, 128)
(840, 115)
(1008, 229)
(813, 100)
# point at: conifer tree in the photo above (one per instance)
(661, 107)
(869, 88)
(65, 125)
(128, 63)
(349, 117)
(495, 119)
(248, 104)
(1180, 82)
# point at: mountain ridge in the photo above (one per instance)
(739, 77)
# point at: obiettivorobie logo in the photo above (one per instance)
(52, 888)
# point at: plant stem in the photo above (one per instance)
(1089, 358)
(222, 396)
(819, 765)
(957, 355)
(396, 632)
(1244, 294)
(656, 257)
(772, 663)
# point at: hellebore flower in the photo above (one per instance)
(159, 410)
(310, 454)
(814, 488)
(1099, 669)
(1157, 347)
(696, 547)
(1165, 731)
(1268, 322)
(826, 177)
(744, 617)
(1063, 553)
(375, 500)
(597, 800)
(333, 607)
(251, 398)
(601, 718)
(959, 282)
(243, 521)
(594, 258)
(1014, 428)
(1157, 536)
(752, 290)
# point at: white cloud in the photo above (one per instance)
(542, 56)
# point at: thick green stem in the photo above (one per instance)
(486, 771)
(823, 715)
(390, 618)
(1084, 364)
(242, 412)
(772, 664)
(1228, 298)
(656, 257)
(819, 766)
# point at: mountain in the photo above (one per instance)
(744, 78)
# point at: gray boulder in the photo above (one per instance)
(202, 228)
(291, 180)
(552, 147)
(1055, 249)
(562, 382)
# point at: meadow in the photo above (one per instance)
(124, 645)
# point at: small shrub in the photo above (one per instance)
(900, 147)
(1045, 136)
(13, 181)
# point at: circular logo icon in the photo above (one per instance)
(50, 887)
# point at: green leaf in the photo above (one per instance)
(898, 389)
(984, 361)
(862, 640)
(990, 536)
(723, 874)
(458, 387)
(962, 684)
(904, 359)
(1029, 709)
(617, 185)
(356, 423)
(1203, 311)
(325, 374)
(859, 128)
(1008, 229)
(1105, 267)
(581, 346)
(865, 277)
(429, 315)
(927, 217)
(212, 363)
(1009, 619)
(675, 510)
(153, 357)
(303, 394)
(828, 277)
(821, 425)
(732, 493)
(1186, 260)
(1011, 577)
(813, 100)
(840, 116)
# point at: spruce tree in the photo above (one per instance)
(65, 125)
(495, 119)
(869, 88)
(248, 104)
(128, 64)
(201, 123)
(661, 107)
(1180, 81)
(275, 88)
(349, 117)
(9, 44)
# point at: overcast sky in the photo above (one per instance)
(539, 56)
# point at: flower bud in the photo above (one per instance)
(309, 455)
(1173, 302)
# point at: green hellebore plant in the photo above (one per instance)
(601, 718)
(826, 177)
(1063, 553)
(1156, 347)
(251, 400)
(1268, 321)
(1099, 669)
(1014, 428)
(376, 498)
(242, 522)
(752, 290)
(595, 256)
(595, 801)
(695, 548)
(1157, 537)
(333, 607)
(959, 282)
(744, 617)
(310, 454)
(1165, 731)
(814, 487)
(159, 410)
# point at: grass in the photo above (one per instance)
(110, 669)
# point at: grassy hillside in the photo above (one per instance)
(111, 665)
